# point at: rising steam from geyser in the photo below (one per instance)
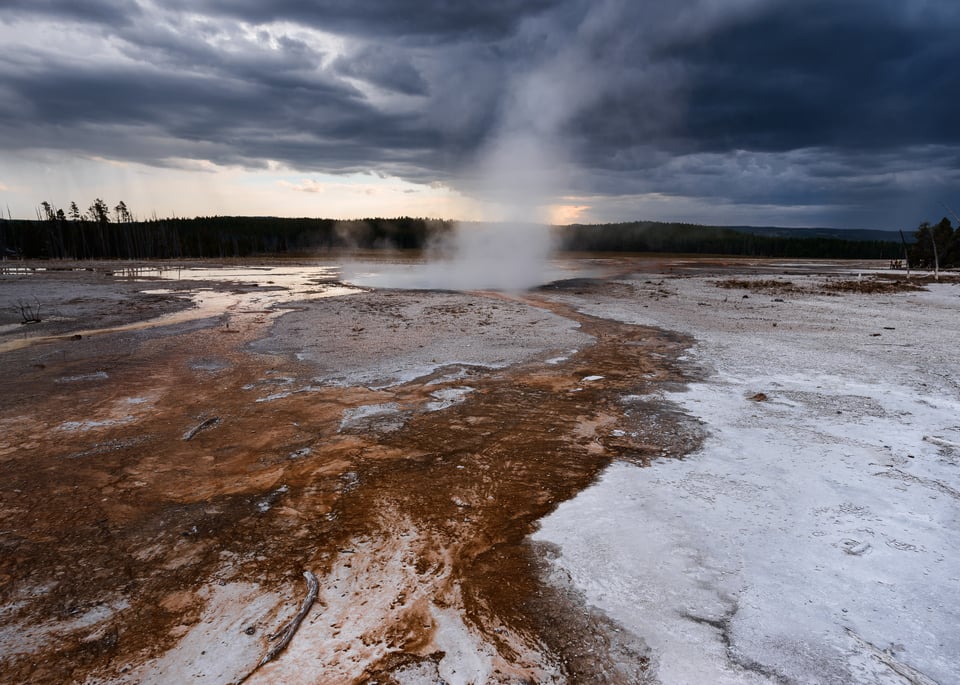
(516, 176)
(509, 251)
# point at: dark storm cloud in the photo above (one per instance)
(787, 76)
(94, 11)
(238, 99)
(848, 75)
(440, 19)
(381, 66)
(760, 101)
(310, 123)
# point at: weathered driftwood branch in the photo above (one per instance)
(940, 442)
(201, 426)
(285, 634)
(908, 673)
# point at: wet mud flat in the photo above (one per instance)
(165, 488)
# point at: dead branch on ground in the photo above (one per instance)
(884, 656)
(285, 634)
(213, 420)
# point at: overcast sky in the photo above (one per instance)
(764, 112)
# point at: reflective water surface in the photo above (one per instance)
(259, 289)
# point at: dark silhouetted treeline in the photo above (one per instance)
(653, 236)
(208, 237)
(96, 236)
(936, 244)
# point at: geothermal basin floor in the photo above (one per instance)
(683, 472)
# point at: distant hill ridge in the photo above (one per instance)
(838, 233)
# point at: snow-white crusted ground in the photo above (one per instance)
(815, 536)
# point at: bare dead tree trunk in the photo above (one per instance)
(936, 258)
(906, 254)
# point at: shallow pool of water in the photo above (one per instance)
(277, 287)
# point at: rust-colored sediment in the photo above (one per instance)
(122, 512)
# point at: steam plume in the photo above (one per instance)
(518, 174)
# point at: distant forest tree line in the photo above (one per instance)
(654, 236)
(102, 233)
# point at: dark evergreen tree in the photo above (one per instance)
(935, 246)
(99, 212)
(123, 215)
